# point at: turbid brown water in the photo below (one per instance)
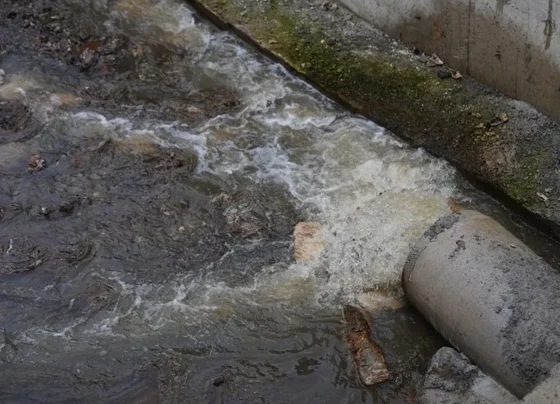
(152, 258)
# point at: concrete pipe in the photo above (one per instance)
(490, 296)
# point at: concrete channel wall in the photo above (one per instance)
(510, 45)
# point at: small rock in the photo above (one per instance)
(480, 126)
(308, 240)
(36, 163)
(444, 74)
(2, 74)
(88, 57)
(367, 354)
(500, 119)
(273, 42)
(218, 381)
(456, 75)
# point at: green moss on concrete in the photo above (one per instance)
(364, 80)
(523, 186)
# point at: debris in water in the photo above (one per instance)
(436, 60)
(456, 75)
(542, 196)
(222, 135)
(454, 206)
(308, 240)
(381, 300)
(368, 357)
(36, 163)
(432, 61)
(88, 58)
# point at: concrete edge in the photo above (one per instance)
(442, 224)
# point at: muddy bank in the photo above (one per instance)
(503, 144)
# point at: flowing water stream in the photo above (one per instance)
(138, 289)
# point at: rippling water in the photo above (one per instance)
(271, 334)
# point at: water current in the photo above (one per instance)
(250, 324)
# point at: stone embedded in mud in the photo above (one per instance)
(308, 240)
(36, 163)
(368, 356)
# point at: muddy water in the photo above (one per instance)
(152, 258)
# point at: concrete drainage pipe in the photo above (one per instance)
(490, 296)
